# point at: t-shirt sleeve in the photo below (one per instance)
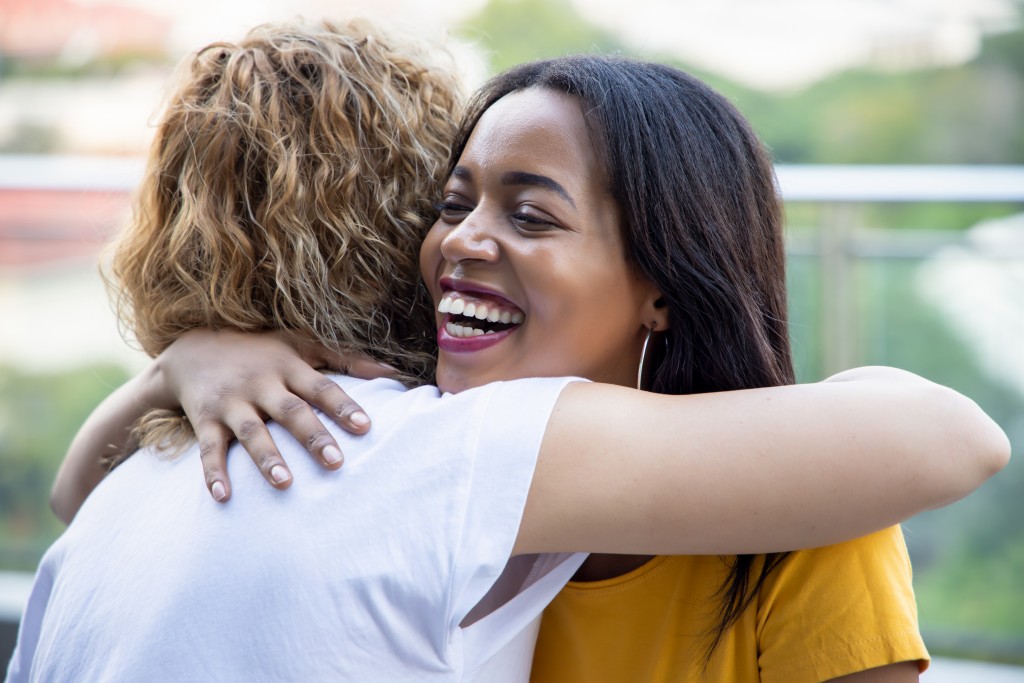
(510, 431)
(840, 609)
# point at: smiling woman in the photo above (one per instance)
(611, 201)
(527, 225)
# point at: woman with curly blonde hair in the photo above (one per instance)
(289, 187)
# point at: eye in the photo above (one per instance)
(450, 211)
(531, 222)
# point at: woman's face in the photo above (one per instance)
(526, 263)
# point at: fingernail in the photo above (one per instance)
(218, 491)
(332, 456)
(279, 474)
(359, 419)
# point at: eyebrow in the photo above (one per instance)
(522, 178)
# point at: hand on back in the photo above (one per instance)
(229, 383)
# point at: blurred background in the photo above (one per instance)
(897, 127)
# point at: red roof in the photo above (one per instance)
(48, 28)
(38, 227)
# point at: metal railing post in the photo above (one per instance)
(840, 332)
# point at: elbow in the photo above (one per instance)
(61, 507)
(978, 446)
(994, 448)
(59, 510)
(953, 445)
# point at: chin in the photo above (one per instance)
(453, 381)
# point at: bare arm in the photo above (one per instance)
(763, 470)
(227, 383)
(106, 432)
(903, 672)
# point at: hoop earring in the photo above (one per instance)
(643, 357)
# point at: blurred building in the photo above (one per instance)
(45, 30)
(79, 78)
(39, 228)
(55, 216)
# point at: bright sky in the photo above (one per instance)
(781, 43)
(766, 43)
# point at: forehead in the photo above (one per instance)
(536, 128)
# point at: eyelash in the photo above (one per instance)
(444, 206)
(527, 218)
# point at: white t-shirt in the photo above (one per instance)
(360, 574)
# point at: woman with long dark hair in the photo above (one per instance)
(701, 221)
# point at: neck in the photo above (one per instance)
(601, 567)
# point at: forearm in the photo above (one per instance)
(106, 432)
(753, 471)
(903, 672)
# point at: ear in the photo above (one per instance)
(655, 311)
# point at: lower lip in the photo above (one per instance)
(447, 342)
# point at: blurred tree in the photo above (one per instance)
(511, 32)
(964, 114)
(39, 415)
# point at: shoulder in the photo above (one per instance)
(524, 386)
(882, 554)
(379, 386)
(520, 402)
(819, 578)
(839, 609)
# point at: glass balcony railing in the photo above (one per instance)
(916, 267)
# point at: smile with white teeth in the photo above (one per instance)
(467, 316)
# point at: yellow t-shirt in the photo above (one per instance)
(822, 613)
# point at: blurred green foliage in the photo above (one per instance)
(511, 32)
(39, 415)
(101, 66)
(969, 114)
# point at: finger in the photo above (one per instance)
(364, 367)
(252, 433)
(326, 395)
(298, 418)
(213, 453)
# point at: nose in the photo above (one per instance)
(470, 240)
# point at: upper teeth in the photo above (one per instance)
(453, 303)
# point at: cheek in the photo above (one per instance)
(580, 301)
(430, 256)
(605, 306)
(601, 282)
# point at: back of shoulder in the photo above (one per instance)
(501, 419)
(516, 402)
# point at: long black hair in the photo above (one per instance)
(702, 220)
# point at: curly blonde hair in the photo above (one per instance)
(289, 186)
